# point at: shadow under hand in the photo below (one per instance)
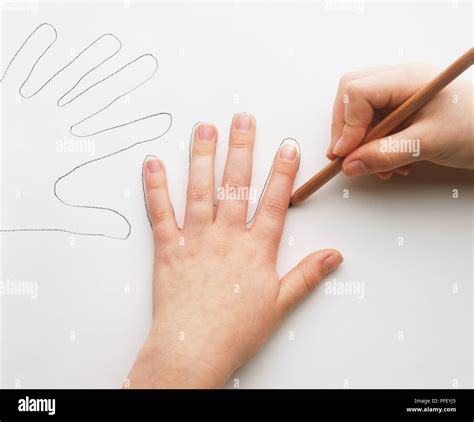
(424, 179)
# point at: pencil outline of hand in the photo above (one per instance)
(61, 102)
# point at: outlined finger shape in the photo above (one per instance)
(109, 89)
(120, 136)
(26, 57)
(253, 210)
(61, 75)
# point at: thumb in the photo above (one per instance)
(388, 153)
(303, 278)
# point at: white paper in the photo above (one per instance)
(407, 243)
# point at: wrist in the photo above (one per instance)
(163, 365)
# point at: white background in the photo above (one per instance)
(281, 62)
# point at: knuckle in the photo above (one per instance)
(203, 148)
(241, 142)
(353, 89)
(156, 189)
(159, 215)
(199, 193)
(274, 207)
(236, 181)
(352, 123)
(386, 160)
(310, 279)
(285, 169)
(431, 150)
(165, 248)
(346, 78)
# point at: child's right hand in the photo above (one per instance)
(443, 127)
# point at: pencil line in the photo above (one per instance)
(60, 103)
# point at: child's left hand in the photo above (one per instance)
(216, 294)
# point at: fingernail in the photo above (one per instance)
(206, 132)
(338, 147)
(289, 151)
(355, 168)
(331, 262)
(243, 121)
(153, 165)
(403, 172)
(385, 176)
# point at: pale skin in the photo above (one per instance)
(216, 294)
(444, 126)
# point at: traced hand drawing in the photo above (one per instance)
(69, 96)
(63, 101)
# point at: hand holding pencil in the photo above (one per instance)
(388, 117)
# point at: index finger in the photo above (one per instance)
(380, 90)
(272, 210)
(339, 106)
